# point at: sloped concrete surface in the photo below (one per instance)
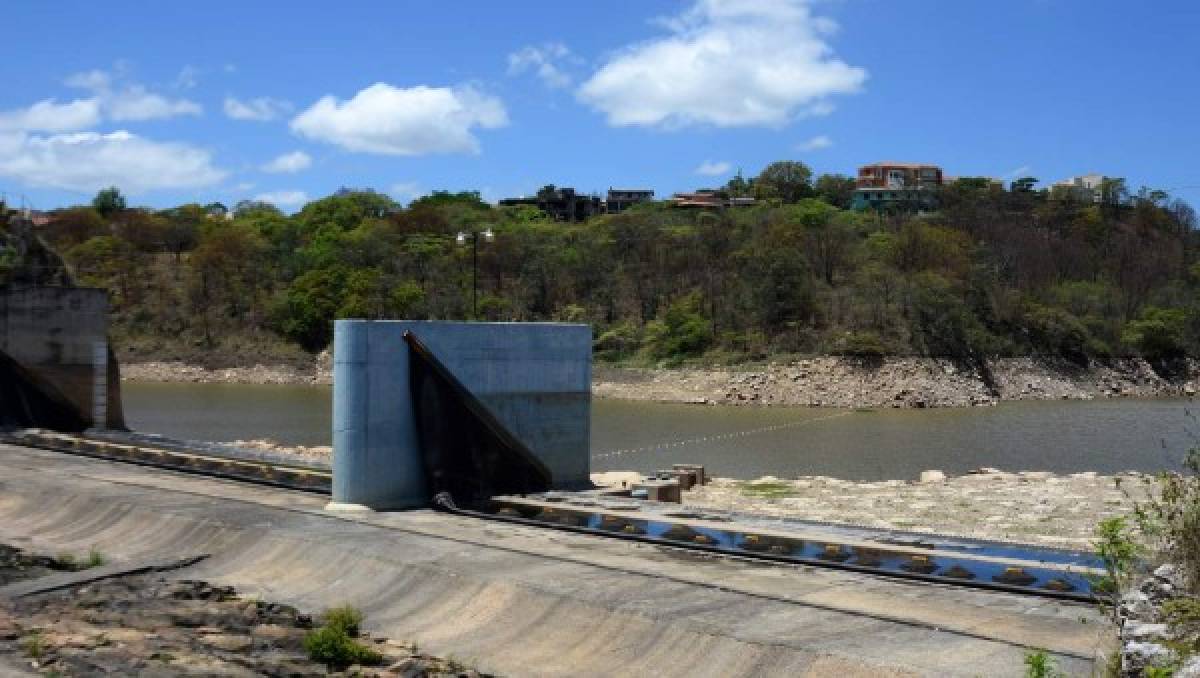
(523, 601)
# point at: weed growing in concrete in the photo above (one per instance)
(1038, 664)
(334, 644)
(34, 645)
(95, 558)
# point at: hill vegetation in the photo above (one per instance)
(993, 272)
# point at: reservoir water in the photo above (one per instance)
(1106, 436)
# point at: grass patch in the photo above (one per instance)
(1038, 664)
(767, 490)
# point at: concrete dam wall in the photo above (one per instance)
(56, 368)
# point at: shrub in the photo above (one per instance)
(333, 644)
(682, 331)
(1158, 333)
(1038, 664)
(346, 618)
(1119, 552)
(1171, 518)
(332, 647)
(864, 345)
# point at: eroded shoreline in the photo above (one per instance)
(826, 381)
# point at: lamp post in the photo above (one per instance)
(474, 237)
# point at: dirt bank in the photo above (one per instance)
(823, 381)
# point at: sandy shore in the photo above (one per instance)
(818, 382)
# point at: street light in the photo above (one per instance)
(474, 237)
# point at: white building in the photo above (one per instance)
(1086, 188)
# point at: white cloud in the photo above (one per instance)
(283, 198)
(50, 116)
(545, 61)
(129, 101)
(89, 161)
(815, 144)
(725, 63)
(710, 168)
(244, 186)
(403, 121)
(260, 109)
(288, 163)
(405, 190)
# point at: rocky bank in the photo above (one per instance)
(149, 625)
(826, 381)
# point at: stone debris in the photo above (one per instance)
(1031, 507)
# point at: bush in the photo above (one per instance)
(1158, 333)
(346, 618)
(682, 331)
(618, 341)
(863, 345)
(332, 647)
(1171, 519)
(1057, 331)
(333, 644)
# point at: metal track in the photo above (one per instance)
(1072, 596)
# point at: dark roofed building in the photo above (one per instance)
(620, 199)
(561, 204)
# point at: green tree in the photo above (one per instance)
(786, 180)
(1158, 333)
(835, 189)
(682, 331)
(108, 201)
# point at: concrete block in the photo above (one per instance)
(701, 478)
(660, 490)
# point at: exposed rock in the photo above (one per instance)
(932, 477)
(825, 381)
(1136, 657)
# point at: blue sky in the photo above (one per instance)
(177, 102)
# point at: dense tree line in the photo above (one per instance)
(993, 271)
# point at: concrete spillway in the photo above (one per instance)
(521, 601)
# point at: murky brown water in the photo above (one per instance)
(743, 442)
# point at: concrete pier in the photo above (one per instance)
(58, 338)
(534, 377)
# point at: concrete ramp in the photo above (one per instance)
(521, 602)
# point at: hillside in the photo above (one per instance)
(990, 273)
